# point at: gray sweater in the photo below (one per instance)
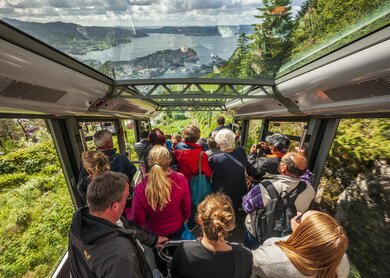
(270, 261)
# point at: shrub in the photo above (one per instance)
(12, 180)
(29, 160)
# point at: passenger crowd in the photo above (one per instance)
(121, 227)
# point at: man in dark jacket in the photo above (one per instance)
(119, 163)
(101, 243)
(141, 146)
(262, 160)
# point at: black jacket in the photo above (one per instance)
(98, 248)
(258, 167)
(142, 148)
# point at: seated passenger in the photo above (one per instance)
(95, 163)
(212, 256)
(316, 248)
(162, 202)
(229, 167)
(101, 243)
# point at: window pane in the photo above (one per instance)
(355, 188)
(35, 204)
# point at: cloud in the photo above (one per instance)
(141, 12)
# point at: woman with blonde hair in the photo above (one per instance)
(95, 163)
(213, 256)
(316, 248)
(162, 201)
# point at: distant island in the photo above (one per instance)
(179, 61)
(75, 39)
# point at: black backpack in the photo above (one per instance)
(274, 219)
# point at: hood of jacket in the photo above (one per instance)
(88, 229)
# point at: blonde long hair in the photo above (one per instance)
(158, 187)
(216, 215)
(317, 246)
(95, 163)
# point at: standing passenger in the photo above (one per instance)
(141, 146)
(101, 243)
(157, 137)
(220, 125)
(212, 256)
(162, 202)
(229, 167)
(187, 154)
(316, 248)
(118, 162)
(95, 163)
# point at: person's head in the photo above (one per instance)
(278, 142)
(168, 137)
(293, 165)
(225, 139)
(157, 137)
(107, 194)
(144, 134)
(158, 188)
(216, 216)
(191, 133)
(221, 120)
(176, 138)
(202, 142)
(211, 143)
(103, 140)
(316, 245)
(95, 163)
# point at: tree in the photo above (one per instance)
(271, 38)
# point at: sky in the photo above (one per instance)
(133, 13)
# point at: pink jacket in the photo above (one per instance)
(171, 218)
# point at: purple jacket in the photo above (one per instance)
(171, 218)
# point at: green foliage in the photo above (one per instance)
(354, 151)
(179, 116)
(29, 160)
(12, 180)
(271, 39)
(35, 211)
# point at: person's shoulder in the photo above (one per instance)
(240, 247)
(176, 176)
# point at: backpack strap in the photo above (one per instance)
(235, 160)
(296, 191)
(273, 193)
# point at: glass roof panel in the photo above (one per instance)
(145, 39)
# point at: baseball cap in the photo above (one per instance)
(281, 142)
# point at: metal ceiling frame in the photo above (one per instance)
(188, 94)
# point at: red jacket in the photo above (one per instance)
(188, 159)
(170, 219)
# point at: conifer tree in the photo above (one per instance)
(272, 36)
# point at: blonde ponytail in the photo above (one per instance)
(158, 187)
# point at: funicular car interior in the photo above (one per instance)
(38, 80)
